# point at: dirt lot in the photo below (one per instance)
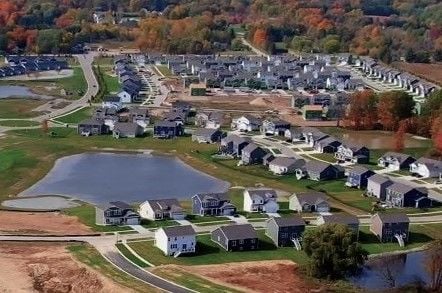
(431, 72)
(41, 223)
(255, 276)
(48, 267)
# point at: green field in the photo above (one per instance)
(112, 84)
(209, 252)
(92, 258)
(86, 215)
(18, 123)
(76, 116)
(159, 223)
(19, 108)
(164, 70)
(123, 249)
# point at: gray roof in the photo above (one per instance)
(206, 132)
(112, 99)
(217, 196)
(175, 231)
(401, 188)
(310, 197)
(118, 204)
(431, 163)
(261, 192)
(393, 217)
(92, 121)
(294, 220)
(235, 232)
(250, 148)
(379, 179)
(164, 123)
(126, 127)
(287, 162)
(359, 170)
(345, 219)
(399, 156)
(169, 204)
(316, 166)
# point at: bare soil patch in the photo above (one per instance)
(48, 267)
(260, 276)
(41, 223)
(430, 72)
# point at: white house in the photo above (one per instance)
(260, 200)
(125, 97)
(246, 123)
(285, 165)
(112, 102)
(427, 168)
(158, 209)
(176, 240)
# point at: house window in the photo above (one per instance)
(252, 240)
(184, 246)
(241, 241)
(174, 246)
(284, 235)
(234, 243)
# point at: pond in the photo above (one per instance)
(99, 178)
(377, 139)
(393, 271)
(8, 91)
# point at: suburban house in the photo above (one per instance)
(209, 120)
(260, 200)
(401, 195)
(267, 159)
(358, 177)
(327, 145)
(127, 129)
(312, 201)
(390, 227)
(353, 153)
(207, 135)
(167, 129)
(234, 144)
(313, 112)
(140, 116)
(252, 154)
(316, 170)
(286, 231)
(285, 165)
(92, 126)
(112, 102)
(293, 134)
(348, 220)
(116, 213)
(395, 161)
(159, 209)
(426, 168)
(274, 127)
(377, 186)
(212, 204)
(176, 240)
(312, 135)
(236, 237)
(246, 123)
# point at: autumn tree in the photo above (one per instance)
(362, 111)
(433, 265)
(393, 107)
(399, 137)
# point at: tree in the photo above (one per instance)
(362, 110)
(48, 41)
(433, 265)
(332, 46)
(334, 251)
(395, 106)
(399, 137)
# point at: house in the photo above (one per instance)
(293, 134)
(167, 129)
(426, 168)
(207, 135)
(159, 209)
(285, 165)
(395, 161)
(212, 204)
(311, 201)
(252, 154)
(140, 116)
(269, 157)
(401, 195)
(350, 221)
(236, 237)
(234, 144)
(127, 96)
(246, 123)
(353, 153)
(312, 135)
(313, 112)
(116, 213)
(316, 170)
(286, 231)
(92, 126)
(127, 129)
(274, 127)
(176, 240)
(198, 89)
(358, 176)
(260, 200)
(389, 227)
(112, 102)
(327, 145)
(377, 186)
(209, 120)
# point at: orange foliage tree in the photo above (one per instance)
(399, 137)
(361, 112)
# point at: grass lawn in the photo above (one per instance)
(215, 223)
(18, 123)
(19, 108)
(159, 223)
(112, 84)
(209, 252)
(104, 61)
(123, 249)
(75, 84)
(164, 70)
(202, 219)
(76, 116)
(86, 215)
(92, 258)
(191, 281)
(325, 156)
